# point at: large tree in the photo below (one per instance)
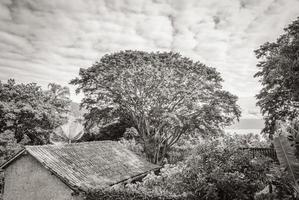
(161, 95)
(28, 111)
(279, 74)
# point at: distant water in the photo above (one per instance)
(248, 124)
(243, 131)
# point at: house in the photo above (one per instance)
(60, 172)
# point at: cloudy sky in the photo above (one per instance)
(49, 40)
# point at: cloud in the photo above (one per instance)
(48, 41)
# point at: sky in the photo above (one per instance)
(47, 41)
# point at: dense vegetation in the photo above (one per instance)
(279, 74)
(279, 99)
(215, 170)
(120, 194)
(28, 111)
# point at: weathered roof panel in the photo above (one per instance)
(91, 165)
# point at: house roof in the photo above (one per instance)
(89, 165)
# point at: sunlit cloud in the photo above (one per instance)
(48, 41)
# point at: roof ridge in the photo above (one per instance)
(71, 144)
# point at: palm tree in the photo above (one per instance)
(58, 92)
(59, 96)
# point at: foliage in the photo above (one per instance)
(249, 140)
(287, 159)
(69, 132)
(57, 92)
(286, 143)
(178, 152)
(28, 111)
(162, 95)
(59, 97)
(279, 187)
(110, 131)
(187, 143)
(279, 75)
(215, 170)
(290, 130)
(120, 194)
(8, 146)
(183, 148)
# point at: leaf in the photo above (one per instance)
(287, 159)
(70, 131)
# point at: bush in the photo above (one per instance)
(249, 140)
(280, 188)
(183, 148)
(215, 170)
(118, 194)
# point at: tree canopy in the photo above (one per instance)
(161, 95)
(28, 111)
(279, 75)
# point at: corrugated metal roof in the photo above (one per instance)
(91, 165)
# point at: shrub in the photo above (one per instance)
(119, 194)
(215, 170)
(183, 148)
(280, 187)
(223, 172)
(248, 140)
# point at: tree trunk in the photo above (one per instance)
(155, 152)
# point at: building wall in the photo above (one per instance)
(27, 179)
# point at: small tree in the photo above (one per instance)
(279, 75)
(162, 95)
